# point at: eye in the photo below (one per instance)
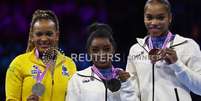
(95, 50)
(107, 49)
(49, 33)
(148, 17)
(38, 34)
(160, 17)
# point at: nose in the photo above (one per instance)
(44, 37)
(154, 22)
(100, 52)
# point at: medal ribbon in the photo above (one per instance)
(39, 77)
(97, 72)
(168, 38)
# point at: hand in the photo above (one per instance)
(123, 76)
(33, 97)
(169, 55)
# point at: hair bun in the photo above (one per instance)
(99, 26)
(44, 13)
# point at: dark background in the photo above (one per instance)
(124, 16)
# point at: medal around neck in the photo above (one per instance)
(38, 89)
(114, 85)
(155, 55)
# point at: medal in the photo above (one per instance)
(38, 89)
(155, 54)
(47, 58)
(114, 85)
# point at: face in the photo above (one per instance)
(44, 34)
(101, 50)
(157, 19)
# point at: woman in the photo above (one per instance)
(164, 66)
(37, 75)
(102, 81)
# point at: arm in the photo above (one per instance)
(127, 91)
(71, 66)
(73, 90)
(189, 72)
(13, 83)
(130, 88)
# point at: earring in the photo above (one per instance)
(31, 41)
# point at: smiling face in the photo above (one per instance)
(44, 34)
(157, 19)
(101, 50)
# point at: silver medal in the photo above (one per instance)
(38, 89)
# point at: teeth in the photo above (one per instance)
(153, 27)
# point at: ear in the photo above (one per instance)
(113, 51)
(89, 51)
(30, 37)
(57, 35)
(170, 18)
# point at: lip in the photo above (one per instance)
(154, 30)
(44, 46)
(101, 61)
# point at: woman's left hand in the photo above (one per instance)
(170, 55)
(123, 76)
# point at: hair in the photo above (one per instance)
(38, 15)
(100, 30)
(163, 2)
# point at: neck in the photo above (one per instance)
(161, 35)
(40, 55)
(105, 67)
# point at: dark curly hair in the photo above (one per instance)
(100, 30)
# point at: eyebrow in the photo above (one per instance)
(93, 46)
(161, 14)
(48, 30)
